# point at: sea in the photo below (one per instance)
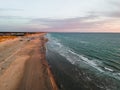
(85, 61)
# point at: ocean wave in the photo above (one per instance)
(87, 61)
(84, 42)
(53, 42)
(109, 69)
(116, 75)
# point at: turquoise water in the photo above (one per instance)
(98, 53)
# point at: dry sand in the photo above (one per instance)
(23, 65)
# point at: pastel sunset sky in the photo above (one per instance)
(60, 15)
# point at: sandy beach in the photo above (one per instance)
(23, 65)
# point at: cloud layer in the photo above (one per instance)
(91, 23)
(98, 18)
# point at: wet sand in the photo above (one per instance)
(23, 65)
(67, 75)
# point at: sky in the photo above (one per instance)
(60, 15)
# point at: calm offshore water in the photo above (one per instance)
(94, 60)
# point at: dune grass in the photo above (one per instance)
(3, 38)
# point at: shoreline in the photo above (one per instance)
(28, 68)
(45, 63)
